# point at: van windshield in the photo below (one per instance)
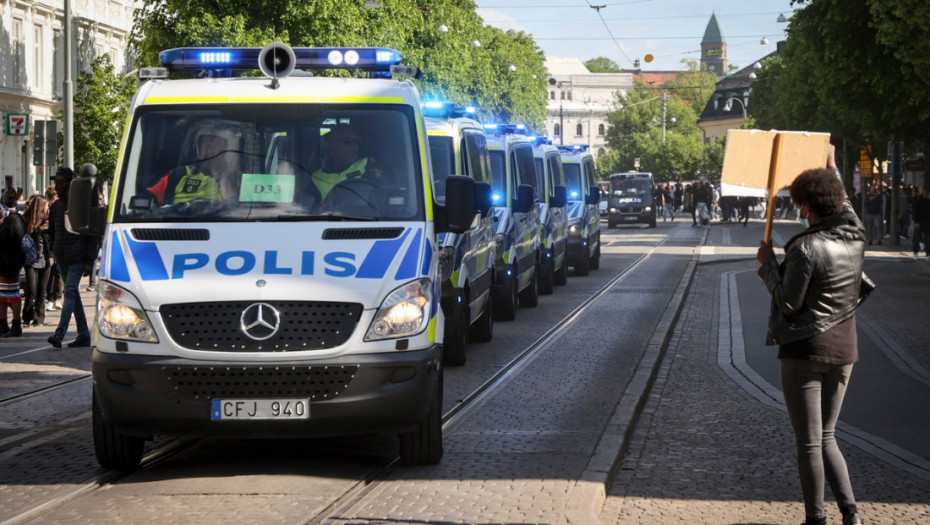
(627, 187)
(498, 178)
(573, 180)
(260, 162)
(442, 155)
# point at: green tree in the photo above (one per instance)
(602, 65)
(101, 101)
(462, 60)
(636, 132)
(693, 85)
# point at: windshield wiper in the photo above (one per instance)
(326, 217)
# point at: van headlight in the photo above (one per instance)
(574, 227)
(121, 316)
(405, 312)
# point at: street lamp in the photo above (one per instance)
(781, 18)
(729, 104)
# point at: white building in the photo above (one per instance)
(578, 102)
(32, 52)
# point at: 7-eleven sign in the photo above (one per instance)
(17, 124)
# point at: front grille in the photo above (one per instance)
(208, 382)
(304, 325)
(162, 234)
(631, 209)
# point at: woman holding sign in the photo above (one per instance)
(815, 292)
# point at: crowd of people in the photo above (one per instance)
(702, 200)
(911, 214)
(42, 263)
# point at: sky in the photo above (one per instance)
(626, 30)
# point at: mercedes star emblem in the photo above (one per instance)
(260, 321)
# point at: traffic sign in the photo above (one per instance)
(865, 162)
(17, 124)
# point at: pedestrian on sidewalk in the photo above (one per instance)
(921, 214)
(75, 255)
(815, 292)
(12, 260)
(873, 214)
(53, 291)
(36, 216)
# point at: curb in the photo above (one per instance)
(587, 496)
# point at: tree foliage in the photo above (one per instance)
(102, 99)
(602, 65)
(635, 132)
(462, 60)
(859, 69)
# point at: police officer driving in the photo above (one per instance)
(340, 160)
(215, 175)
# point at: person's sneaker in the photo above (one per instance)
(57, 304)
(54, 341)
(49, 306)
(852, 519)
(81, 341)
(915, 256)
(92, 288)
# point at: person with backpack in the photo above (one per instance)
(75, 255)
(36, 218)
(12, 260)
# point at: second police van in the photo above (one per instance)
(631, 199)
(584, 231)
(515, 195)
(252, 286)
(458, 146)
(553, 267)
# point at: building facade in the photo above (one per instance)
(578, 102)
(32, 54)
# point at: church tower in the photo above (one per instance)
(714, 48)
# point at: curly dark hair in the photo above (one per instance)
(821, 190)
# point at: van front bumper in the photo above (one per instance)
(369, 393)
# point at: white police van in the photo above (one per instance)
(458, 146)
(515, 196)
(263, 304)
(584, 229)
(553, 268)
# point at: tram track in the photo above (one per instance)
(358, 489)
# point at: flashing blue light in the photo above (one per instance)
(574, 194)
(375, 59)
(496, 197)
(573, 148)
(470, 110)
(434, 104)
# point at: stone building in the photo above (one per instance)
(32, 51)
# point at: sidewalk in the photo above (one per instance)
(707, 451)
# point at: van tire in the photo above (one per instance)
(423, 445)
(546, 276)
(561, 275)
(584, 265)
(529, 296)
(113, 449)
(455, 338)
(595, 262)
(483, 329)
(505, 308)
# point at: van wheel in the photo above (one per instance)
(454, 339)
(114, 450)
(584, 266)
(561, 275)
(529, 296)
(505, 308)
(652, 223)
(483, 329)
(546, 276)
(595, 262)
(423, 445)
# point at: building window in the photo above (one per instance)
(37, 63)
(600, 130)
(557, 131)
(563, 95)
(569, 95)
(579, 130)
(552, 95)
(19, 53)
(601, 151)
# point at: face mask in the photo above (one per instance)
(803, 220)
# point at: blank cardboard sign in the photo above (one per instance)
(748, 160)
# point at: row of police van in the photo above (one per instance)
(536, 217)
(265, 305)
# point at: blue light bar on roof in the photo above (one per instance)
(246, 58)
(439, 109)
(573, 148)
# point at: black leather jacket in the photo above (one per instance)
(817, 285)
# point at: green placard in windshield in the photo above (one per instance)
(261, 187)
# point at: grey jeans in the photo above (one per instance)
(813, 396)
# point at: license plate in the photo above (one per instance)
(628, 218)
(246, 409)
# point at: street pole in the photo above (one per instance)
(664, 99)
(561, 122)
(68, 130)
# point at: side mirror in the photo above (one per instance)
(526, 198)
(484, 198)
(594, 195)
(85, 215)
(559, 197)
(460, 204)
